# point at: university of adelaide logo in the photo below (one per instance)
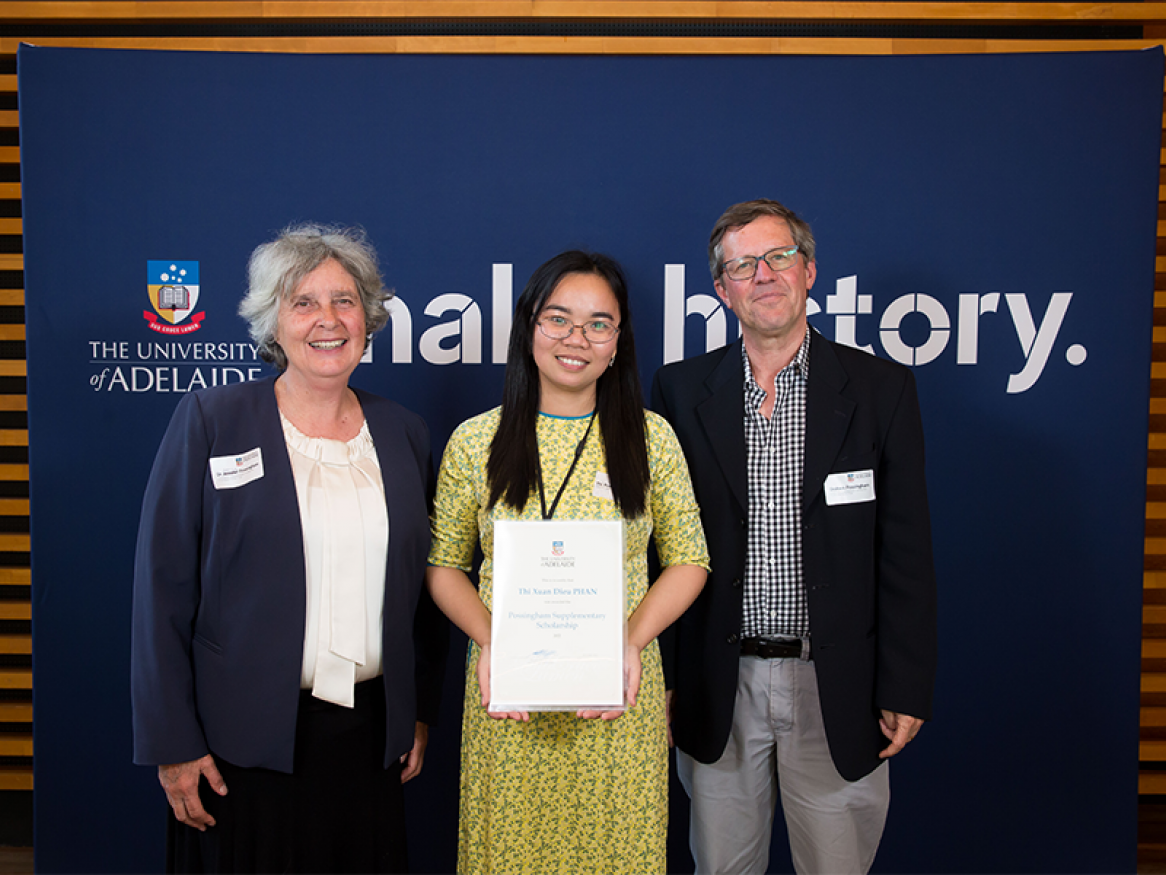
(173, 290)
(559, 557)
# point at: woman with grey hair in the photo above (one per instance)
(282, 644)
(278, 267)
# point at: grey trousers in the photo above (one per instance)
(778, 744)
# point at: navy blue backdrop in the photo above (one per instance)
(988, 219)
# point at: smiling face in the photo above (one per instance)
(771, 305)
(568, 368)
(321, 326)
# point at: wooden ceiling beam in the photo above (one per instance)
(58, 11)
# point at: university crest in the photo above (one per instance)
(173, 290)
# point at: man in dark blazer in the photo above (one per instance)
(809, 658)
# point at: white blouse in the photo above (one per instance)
(346, 535)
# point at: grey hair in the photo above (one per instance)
(277, 268)
(740, 215)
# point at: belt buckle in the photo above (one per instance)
(777, 648)
(781, 648)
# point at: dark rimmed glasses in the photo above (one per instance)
(745, 267)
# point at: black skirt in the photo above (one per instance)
(339, 811)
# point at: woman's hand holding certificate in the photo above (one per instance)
(484, 687)
(557, 623)
(631, 672)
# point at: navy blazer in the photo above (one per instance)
(868, 570)
(220, 588)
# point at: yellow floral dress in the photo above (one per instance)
(560, 794)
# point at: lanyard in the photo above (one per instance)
(547, 514)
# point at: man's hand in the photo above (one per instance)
(180, 781)
(415, 758)
(899, 728)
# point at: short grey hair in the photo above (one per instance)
(276, 270)
(740, 215)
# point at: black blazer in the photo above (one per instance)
(869, 576)
(219, 586)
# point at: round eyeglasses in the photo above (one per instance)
(745, 267)
(560, 328)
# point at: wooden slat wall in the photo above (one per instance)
(15, 608)
(565, 26)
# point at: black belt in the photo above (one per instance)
(774, 648)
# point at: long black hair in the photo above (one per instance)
(512, 469)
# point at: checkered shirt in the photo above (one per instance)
(775, 596)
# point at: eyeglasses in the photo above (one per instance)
(560, 328)
(745, 267)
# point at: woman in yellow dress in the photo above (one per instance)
(558, 791)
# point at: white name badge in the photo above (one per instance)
(602, 487)
(231, 472)
(850, 487)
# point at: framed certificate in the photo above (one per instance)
(558, 627)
